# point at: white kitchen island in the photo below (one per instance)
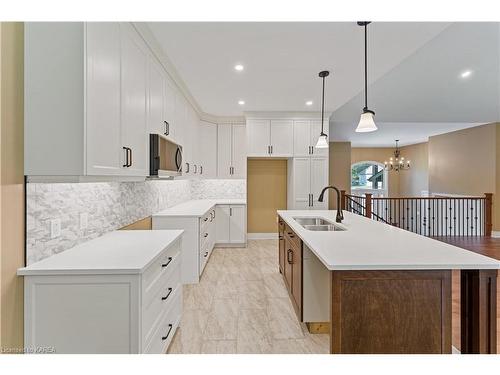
(390, 289)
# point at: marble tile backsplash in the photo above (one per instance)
(212, 189)
(109, 206)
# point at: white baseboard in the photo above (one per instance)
(262, 236)
(495, 234)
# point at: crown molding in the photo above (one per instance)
(304, 115)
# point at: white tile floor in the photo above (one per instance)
(241, 305)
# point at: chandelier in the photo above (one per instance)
(398, 162)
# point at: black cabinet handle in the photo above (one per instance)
(289, 256)
(201, 169)
(168, 294)
(271, 149)
(206, 254)
(130, 164)
(187, 167)
(195, 168)
(168, 333)
(166, 264)
(126, 157)
(205, 219)
(205, 235)
(167, 128)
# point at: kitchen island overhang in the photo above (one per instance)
(390, 290)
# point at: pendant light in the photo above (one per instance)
(323, 138)
(366, 122)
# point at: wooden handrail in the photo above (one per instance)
(488, 220)
(368, 210)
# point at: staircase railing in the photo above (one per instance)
(447, 216)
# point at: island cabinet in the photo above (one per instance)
(290, 257)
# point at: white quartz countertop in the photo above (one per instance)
(197, 207)
(118, 252)
(370, 245)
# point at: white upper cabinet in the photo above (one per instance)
(207, 141)
(104, 152)
(258, 138)
(156, 99)
(133, 103)
(238, 152)
(273, 138)
(231, 151)
(305, 134)
(281, 138)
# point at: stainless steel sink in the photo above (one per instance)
(311, 221)
(317, 224)
(323, 228)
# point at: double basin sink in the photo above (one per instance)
(317, 224)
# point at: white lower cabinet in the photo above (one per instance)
(114, 312)
(231, 225)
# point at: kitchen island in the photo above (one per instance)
(390, 289)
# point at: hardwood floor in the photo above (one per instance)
(483, 245)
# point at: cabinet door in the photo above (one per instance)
(315, 132)
(133, 95)
(319, 179)
(281, 246)
(103, 146)
(207, 141)
(237, 224)
(287, 271)
(301, 138)
(156, 87)
(297, 280)
(222, 223)
(282, 138)
(258, 137)
(239, 154)
(301, 183)
(224, 151)
(169, 109)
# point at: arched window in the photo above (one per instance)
(368, 177)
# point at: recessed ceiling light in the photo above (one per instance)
(466, 73)
(241, 102)
(239, 67)
(309, 102)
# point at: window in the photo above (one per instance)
(368, 176)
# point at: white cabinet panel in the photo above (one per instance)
(208, 149)
(237, 227)
(258, 137)
(133, 95)
(281, 138)
(319, 179)
(169, 109)
(156, 87)
(302, 138)
(301, 182)
(103, 156)
(224, 151)
(222, 223)
(315, 132)
(239, 154)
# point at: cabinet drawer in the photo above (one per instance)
(205, 253)
(292, 237)
(206, 219)
(156, 274)
(163, 297)
(165, 330)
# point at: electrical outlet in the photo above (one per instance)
(55, 228)
(84, 220)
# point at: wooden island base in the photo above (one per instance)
(410, 312)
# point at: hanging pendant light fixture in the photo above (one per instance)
(323, 138)
(366, 122)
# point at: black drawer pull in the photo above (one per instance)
(205, 235)
(170, 326)
(206, 254)
(289, 256)
(205, 219)
(166, 264)
(168, 294)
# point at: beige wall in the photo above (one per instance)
(11, 176)
(463, 162)
(380, 155)
(266, 193)
(416, 179)
(339, 174)
(496, 197)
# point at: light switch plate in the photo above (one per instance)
(55, 228)
(84, 220)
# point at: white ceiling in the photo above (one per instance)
(282, 60)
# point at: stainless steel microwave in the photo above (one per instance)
(165, 157)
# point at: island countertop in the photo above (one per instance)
(366, 244)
